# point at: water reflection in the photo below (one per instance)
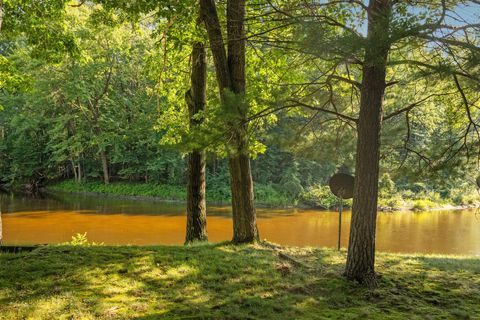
(56, 218)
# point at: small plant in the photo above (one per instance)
(80, 239)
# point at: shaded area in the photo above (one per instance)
(221, 281)
(104, 204)
(17, 249)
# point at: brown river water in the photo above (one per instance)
(56, 218)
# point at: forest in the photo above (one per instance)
(104, 101)
(251, 104)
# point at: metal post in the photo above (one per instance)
(340, 208)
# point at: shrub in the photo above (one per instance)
(386, 185)
(319, 197)
(407, 194)
(423, 204)
(266, 194)
(417, 187)
(394, 202)
(461, 196)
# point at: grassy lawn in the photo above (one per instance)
(220, 281)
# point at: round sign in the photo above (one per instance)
(341, 185)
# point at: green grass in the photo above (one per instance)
(221, 281)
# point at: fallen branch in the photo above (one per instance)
(285, 256)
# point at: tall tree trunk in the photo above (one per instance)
(103, 158)
(1, 226)
(79, 171)
(74, 168)
(361, 247)
(230, 71)
(243, 207)
(1, 14)
(196, 100)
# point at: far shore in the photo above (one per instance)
(443, 207)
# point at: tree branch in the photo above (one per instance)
(411, 106)
(338, 114)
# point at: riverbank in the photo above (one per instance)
(266, 196)
(221, 281)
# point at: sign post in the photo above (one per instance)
(340, 208)
(341, 185)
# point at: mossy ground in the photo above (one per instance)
(221, 281)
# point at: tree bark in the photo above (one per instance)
(196, 100)
(103, 158)
(1, 14)
(208, 13)
(79, 171)
(1, 227)
(230, 71)
(361, 248)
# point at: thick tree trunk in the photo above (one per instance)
(230, 71)
(361, 247)
(243, 207)
(196, 100)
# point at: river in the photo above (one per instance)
(113, 221)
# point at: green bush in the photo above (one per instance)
(407, 194)
(386, 186)
(394, 202)
(423, 204)
(462, 196)
(470, 198)
(268, 195)
(417, 187)
(319, 197)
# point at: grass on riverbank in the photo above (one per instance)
(220, 281)
(264, 194)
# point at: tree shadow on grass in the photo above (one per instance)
(221, 281)
(199, 281)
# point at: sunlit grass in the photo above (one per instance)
(228, 282)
